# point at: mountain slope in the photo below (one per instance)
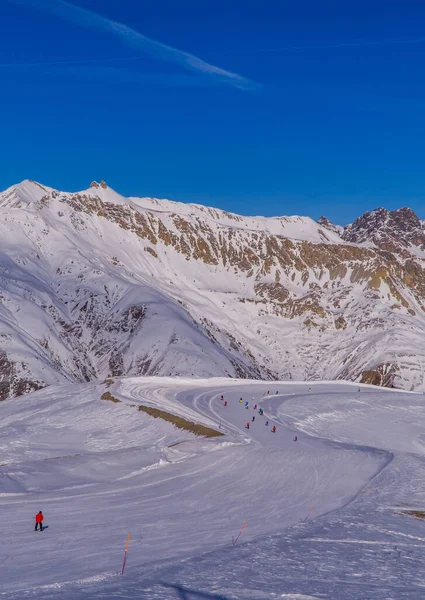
(94, 285)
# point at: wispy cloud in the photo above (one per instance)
(137, 41)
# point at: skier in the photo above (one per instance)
(222, 398)
(261, 412)
(39, 520)
(267, 422)
(274, 428)
(240, 400)
(309, 389)
(247, 425)
(255, 407)
(295, 438)
(253, 419)
(225, 403)
(277, 392)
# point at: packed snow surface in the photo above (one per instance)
(326, 516)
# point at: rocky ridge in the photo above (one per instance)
(94, 285)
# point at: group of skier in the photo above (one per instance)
(260, 412)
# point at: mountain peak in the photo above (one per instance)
(105, 193)
(23, 193)
(388, 229)
(96, 185)
(324, 222)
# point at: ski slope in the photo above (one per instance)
(100, 469)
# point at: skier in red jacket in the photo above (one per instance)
(39, 521)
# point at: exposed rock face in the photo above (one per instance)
(12, 384)
(390, 230)
(324, 222)
(93, 284)
(382, 375)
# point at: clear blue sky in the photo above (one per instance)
(299, 107)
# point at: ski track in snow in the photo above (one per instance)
(99, 469)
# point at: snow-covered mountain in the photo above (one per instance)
(93, 285)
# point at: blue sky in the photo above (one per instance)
(272, 107)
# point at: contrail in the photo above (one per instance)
(132, 38)
(360, 44)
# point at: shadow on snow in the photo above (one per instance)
(187, 594)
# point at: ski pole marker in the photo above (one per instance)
(125, 554)
(235, 541)
(311, 510)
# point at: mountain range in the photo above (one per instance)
(94, 285)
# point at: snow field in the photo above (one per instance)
(99, 469)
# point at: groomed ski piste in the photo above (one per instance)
(337, 514)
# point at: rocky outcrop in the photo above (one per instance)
(12, 379)
(324, 222)
(382, 375)
(394, 231)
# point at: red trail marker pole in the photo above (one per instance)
(235, 541)
(125, 554)
(311, 510)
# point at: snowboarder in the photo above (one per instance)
(274, 428)
(225, 403)
(253, 419)
(247, 425)
(39, 520)
(295, 438)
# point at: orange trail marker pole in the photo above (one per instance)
(235, 541)
(311, 510)
(125, 554)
